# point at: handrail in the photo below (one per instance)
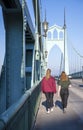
(12, 112)
(8, 115)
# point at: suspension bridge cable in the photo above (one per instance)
(77, 60)
(75, 50)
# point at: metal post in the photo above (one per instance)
(64, 38)
(45, 55)
(64, 49)
(36, 33)
(23, 58)
(37, 56)
(82, 73)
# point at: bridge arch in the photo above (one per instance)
(55, 60)
(58, 36)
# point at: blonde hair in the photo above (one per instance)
(48, 73)
(63, 76)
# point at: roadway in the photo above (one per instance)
(57, 120)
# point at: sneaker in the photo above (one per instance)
(48, 111)
(64, 111)
(51, 109)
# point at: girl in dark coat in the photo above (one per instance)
(64, 84)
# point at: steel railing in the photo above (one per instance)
(22, 114)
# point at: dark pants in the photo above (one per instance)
(64, 93)
(49, 99)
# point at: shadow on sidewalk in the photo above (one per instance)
(44, 104)
(81, 85)
(59, 104)
(56, 104)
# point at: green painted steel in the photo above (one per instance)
(22, 114)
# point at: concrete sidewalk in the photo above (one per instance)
(57, 120)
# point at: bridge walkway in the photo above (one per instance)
(57, 120)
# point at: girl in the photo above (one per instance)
(64, 83)
(48, 87)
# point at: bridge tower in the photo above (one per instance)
(60, 40)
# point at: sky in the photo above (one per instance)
(55, 15)
(74, 23)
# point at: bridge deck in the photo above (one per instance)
(57, 120)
